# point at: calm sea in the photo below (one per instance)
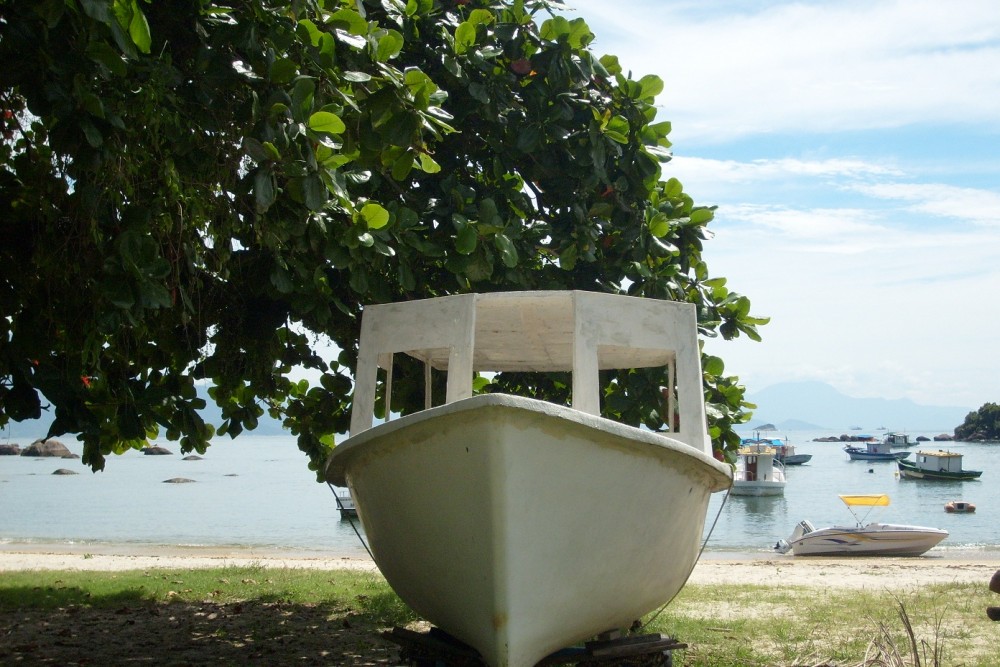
(257, 493)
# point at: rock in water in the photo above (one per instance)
(50, 447)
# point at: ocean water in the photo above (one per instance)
(257, 493)
(755, 524)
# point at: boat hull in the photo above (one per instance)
(520, 527)
(863, 455)
(871, 540)
(757, 489)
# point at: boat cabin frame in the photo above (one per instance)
(538, 331)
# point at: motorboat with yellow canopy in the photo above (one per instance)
(872, 539)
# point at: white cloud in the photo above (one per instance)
(821, 67)
(940, 200)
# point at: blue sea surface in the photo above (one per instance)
(256, 492)
(755, 524)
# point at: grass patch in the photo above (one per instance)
(234, 614)
(762, 625)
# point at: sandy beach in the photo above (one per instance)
(713, 568)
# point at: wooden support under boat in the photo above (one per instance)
(438, 648)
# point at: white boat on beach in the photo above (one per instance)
(758, 472)
(873, 539)
(518, 526)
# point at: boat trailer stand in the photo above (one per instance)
(437, 648)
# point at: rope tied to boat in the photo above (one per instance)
(340, 508)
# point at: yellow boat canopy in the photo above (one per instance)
(868, 500)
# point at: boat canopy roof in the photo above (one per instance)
(866, 500)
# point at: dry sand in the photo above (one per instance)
(715, 568)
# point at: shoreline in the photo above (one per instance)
(714, 567)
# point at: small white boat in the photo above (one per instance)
(897, 439)
(758, 472)
(345, 503)
(873, 539)
(515, 525)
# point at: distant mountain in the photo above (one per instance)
(38, 428)
(815, 405)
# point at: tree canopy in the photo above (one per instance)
(981, 425)
(197, 191)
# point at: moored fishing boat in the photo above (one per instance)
(784, 452)
(516, 525)
(938, 466)
(874, 451)
(873, 539)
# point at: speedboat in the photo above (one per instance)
(873, 539)
(758, 472)
(515, 525)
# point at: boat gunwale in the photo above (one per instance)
(339, 458)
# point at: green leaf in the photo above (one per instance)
(326, 121)
(263, 190)
(465, 36)
(466, 239)
(374, 215)
(389, 46)
(702, 215)
(283, 70)
(101, 52)
(650, 86)
(427, 164)
(713, 365)
(138, 29)
(508, 253)
(659, 224)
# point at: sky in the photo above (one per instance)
(853, 151)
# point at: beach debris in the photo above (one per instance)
(50, 447)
